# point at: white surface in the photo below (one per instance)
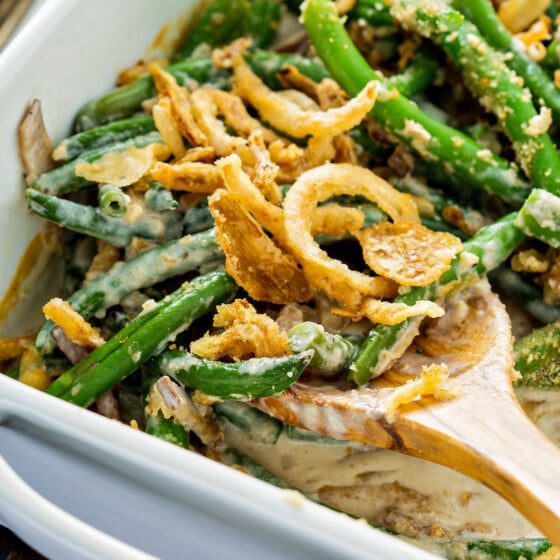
(76, 485)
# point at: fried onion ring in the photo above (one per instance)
(285, 115)
(254, 261)
(180, 98)
(167, 127)
(191, 176)
(334, 277)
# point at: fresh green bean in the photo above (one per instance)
(446, 210)
(420, 73)
(159, 199)
(433, 140)
(484, 16)
(263, 22)
(144, 336)
(111, 133)
(527, 549)
(539, 217)
(551, 60)
(245, 380)
(537, 357)
(198, 217)
(113, 201)
(332, 353)
(125, 101)
(523, 290)
(221, 22)
(552, 12)
(93, 221)
(167, 429)
(189, 253)
(63, 179)
(373, 12)
(486, 74)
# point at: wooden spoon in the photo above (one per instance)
(482, 432)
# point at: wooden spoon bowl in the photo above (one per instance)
(482, 431)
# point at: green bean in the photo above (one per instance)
(537, 357)
(221, 22)
(332, 353)
(259, 426)
(245, 380)
(159, 199)
(144, 336)
(167, 429)
(63, 179)
(198, 217)
(551, 60)
(446, 210)
(78, 257)
(524, 291)
(552, 12)
(484, 16)
(491, 246)
(192, 252)
(126, 100)
(539, 217)
(113, 201)
(91, 220)
(420, 73)
(373, 12)
(527, 549)
(433, 140)
(498, 88)
(263, 22)
(95, 138)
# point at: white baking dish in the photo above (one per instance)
(74, 484)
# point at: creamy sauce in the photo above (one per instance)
(417, 498)
(412, 496)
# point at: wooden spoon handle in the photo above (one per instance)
(500, 447)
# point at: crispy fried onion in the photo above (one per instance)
(191, 176)
(123, 168)
(393, 313)
(14, 347)
(433, 381)
(251, 140)
(331, 219)
(285, 114)
(77, 329)
(517, 15)
(252, 258)
(334, 277)
(167, 127)
(180, 104)
(246, 334)
(408, 253)
(32, 369)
